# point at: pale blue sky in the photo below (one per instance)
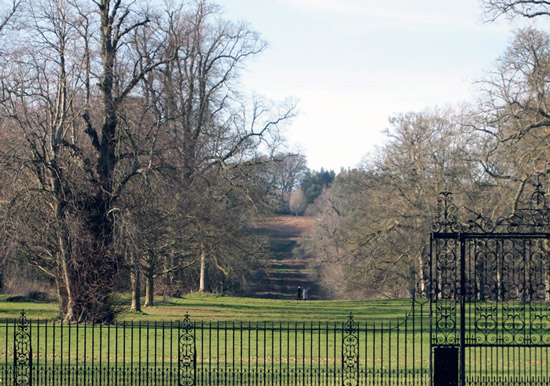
(352, 64)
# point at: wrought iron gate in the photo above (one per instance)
(490, 296)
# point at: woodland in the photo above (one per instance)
(132, 160)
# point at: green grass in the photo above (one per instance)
(205, 307)
(34, 310)
(222, 308)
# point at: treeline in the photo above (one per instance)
(129, 153)
(372, 237)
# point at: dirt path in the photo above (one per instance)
(284, 271)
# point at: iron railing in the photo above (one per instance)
(490, 295)
(218, 353)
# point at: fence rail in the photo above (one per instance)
(218, 353)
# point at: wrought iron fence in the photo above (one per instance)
(490, 295)
(218, 353)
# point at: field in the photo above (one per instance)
(203, 307)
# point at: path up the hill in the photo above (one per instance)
(283, 271)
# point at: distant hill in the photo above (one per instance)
(283, 271)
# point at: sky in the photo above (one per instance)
(352, 64)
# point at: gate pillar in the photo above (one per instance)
(445, 365)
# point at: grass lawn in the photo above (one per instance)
(227, 308)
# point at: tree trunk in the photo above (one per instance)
(202, 277)
(135, 280)
(421, 277)
(149, 286)
(64, 263)
(60, 296)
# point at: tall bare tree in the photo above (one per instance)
(80, 148)
(513, 118)
(219, 138)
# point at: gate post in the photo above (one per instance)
(187, 355)
(350, 353)
(463, 295)
(445, 366)
(22, 352)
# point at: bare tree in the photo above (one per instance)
(298, 201)
(7, 12)
(219, 138)
(514, 8)
(106, 98)
(283, 175)
(374, 221)
(81, 150)
(513, 117)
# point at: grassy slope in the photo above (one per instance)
(284, 271)
(215, 307)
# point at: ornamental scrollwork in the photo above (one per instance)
(23, 352)
(495, 274)
(534, 216)
(446, 214)
(350, 353)
(187, 358)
